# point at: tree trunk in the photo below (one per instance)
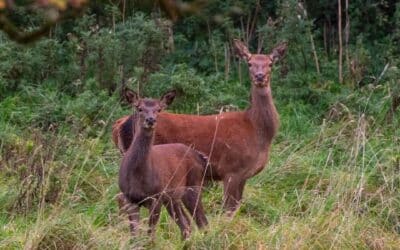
(123, 82)
(253, 22)
(325, 38)
(340, 41)
(309, 31)
(347, 36)
(211, 41)
(227, 61)
(123, 11)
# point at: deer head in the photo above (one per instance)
(260, 65)
(148, 108)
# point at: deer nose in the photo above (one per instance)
(260, 76)
(150, 120)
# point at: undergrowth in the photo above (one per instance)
(332, 181)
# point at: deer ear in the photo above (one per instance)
(168, 98)
(241, 50)
(131, 97)
(278, 52)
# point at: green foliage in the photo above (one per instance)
(335, 172)
(333, 177)
(108, 54)
(119, 53)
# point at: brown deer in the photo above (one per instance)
(162, 174)
(237, 143)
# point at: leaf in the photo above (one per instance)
(3, 4)
(60, 4)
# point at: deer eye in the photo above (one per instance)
(140, 109)
(249, 64)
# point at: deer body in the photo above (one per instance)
(155, 178)
(163, 174)
(233, 141)
(237, 143)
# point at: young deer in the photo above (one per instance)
(236, 143)
(163, 174)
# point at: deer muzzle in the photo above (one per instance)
(261, 83)
(149, 122)
(260, 77)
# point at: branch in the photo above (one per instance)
(27, 37)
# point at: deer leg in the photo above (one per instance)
(187, 218)
(192, 201)
(133, 216)
(183, 219)
(174, 209)
(122, 203)
(154, 210)
(131, 209)
(233, 191)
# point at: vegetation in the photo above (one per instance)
(333, 179)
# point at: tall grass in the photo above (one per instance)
(332, 181)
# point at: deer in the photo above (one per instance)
(237, 144)
(155, 175)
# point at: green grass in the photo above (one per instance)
(332, 181)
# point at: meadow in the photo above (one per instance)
(332, 181)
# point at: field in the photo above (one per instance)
(332, 181)
(333, 177)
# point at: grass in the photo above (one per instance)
(332, 182)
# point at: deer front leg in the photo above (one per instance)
(121, 202)
(134, 218)
(132, 210)
(233, 191)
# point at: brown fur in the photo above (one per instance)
(116, 132)
(236, 143)
(163, 174)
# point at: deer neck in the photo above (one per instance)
(263, 115)
(136, 158)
